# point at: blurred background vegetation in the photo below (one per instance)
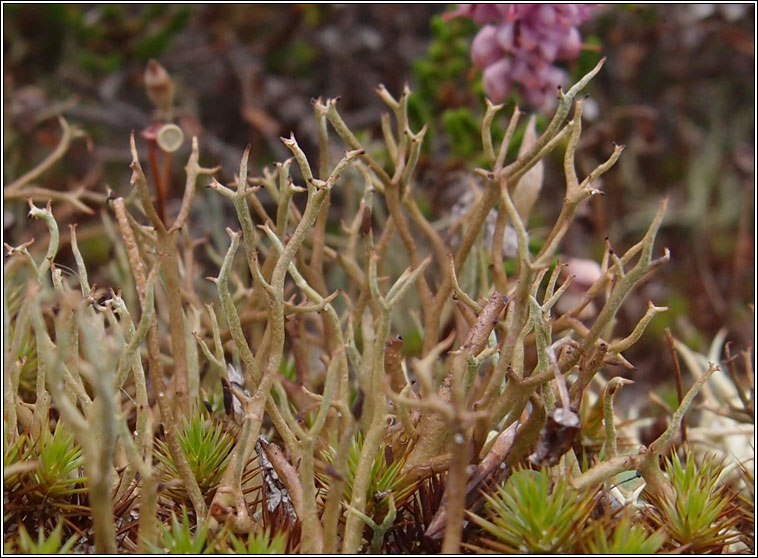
(677, 90)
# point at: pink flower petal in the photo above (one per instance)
(485, 49)
(497, 81)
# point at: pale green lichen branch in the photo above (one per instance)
(69, 134)
(52, 227)
(611, 443)
(380, 529)
(252, 371)
(349, 138)
(416, 140)
(193, 170)
(646, 461)
(80, 267)
(489, 115)
(505, 144)
(524, 163)
(625, 284)
(620, 345)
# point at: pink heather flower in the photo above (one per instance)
(480, 13)
(485, 50)
(497, 80)
(519, 43)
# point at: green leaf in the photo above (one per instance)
(260, 542)
(180, 538)
(530, 514)
(52, 544)
(699, 517)
(208, 444)
(626, 538)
